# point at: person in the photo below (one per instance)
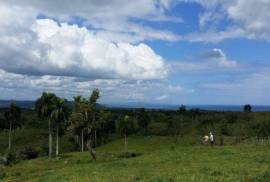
(211, 137)
(205, 139)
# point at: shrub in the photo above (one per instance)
(9, 159)
(29, 153)
(129, 155)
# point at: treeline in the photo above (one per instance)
(87, 124)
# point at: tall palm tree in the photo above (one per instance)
(58, 115)
(93, 103)
(44, 107)
(77, 119)
(12, 116)
(84, 117)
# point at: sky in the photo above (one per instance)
(152, 51)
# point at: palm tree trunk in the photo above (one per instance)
(90, 149)
(50, 140)
(9, 136)
(82, 140)
(57, 142)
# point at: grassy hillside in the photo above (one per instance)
(159, 159)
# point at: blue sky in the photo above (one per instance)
(158, 51)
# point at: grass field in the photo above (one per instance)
(160, 159)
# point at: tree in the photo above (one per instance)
(104, 124)
(143, 120)
(77, 124)
(87, 107)
(247, 108)
(77, 119)
(182, 109)
(12, 115)
(58, 116)
(93, 103)
(125, 127)
(44, 107)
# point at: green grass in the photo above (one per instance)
(161, 160)
(36, 138)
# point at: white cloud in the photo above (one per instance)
(162, 97)
(250, 19)
(253, 16)
(67, 50)
(214, 36)
(219, 56)
(23, 87)
(110, 17)
(214, 60)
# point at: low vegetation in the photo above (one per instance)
(49, 142)
(159, 159)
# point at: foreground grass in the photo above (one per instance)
(161, 160)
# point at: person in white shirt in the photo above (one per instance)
(211, 138)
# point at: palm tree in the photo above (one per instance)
(84, 118)
(93, 102)
(58, 115)
(77, 122)
(44, 107)
(125, 126)
(12, 115)
(88, 109)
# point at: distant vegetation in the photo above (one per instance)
(55, 126)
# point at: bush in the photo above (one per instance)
(29, 153)
(129, 155)
(9, 159)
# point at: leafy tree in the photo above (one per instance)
(44, 107)
(247, 108)
(58, 116)
(125, 127)
(104, 122)
(143, 120)
(12, 115)
(182, 109)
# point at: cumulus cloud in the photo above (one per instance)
(68, 59)
(67, 50)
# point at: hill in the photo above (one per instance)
(159, 159)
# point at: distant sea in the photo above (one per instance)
(258, 108)
(235, 108)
